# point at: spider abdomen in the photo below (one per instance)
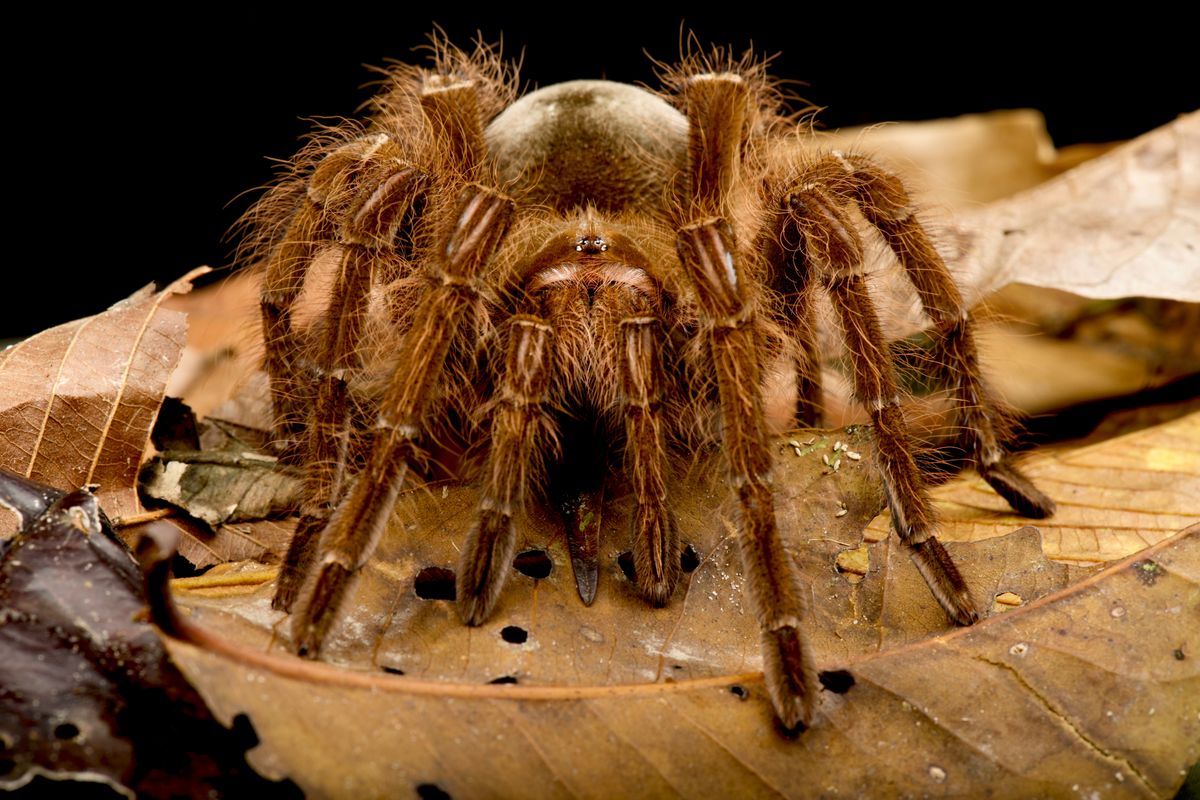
(599, 143)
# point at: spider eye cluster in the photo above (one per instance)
(594, 244)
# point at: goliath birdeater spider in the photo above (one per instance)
(593, 268)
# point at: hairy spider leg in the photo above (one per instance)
(643, 381)
(521, 432)
(480, 218)
(281, 287)
(886, 204)
(827, 242)
(373, 188)
(792, 282)
(717, 107)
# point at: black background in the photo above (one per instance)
(136, 141)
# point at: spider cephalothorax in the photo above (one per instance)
(593, 277)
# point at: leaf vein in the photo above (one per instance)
(122, 386)
(1065, 720)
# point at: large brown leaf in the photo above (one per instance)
(962, 162)
(621, 698)
(1125, 223)
(1095, 689)
(77, 402)
(261, 542)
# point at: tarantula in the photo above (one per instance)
(591, 269)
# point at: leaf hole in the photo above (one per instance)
(514, 634)
(434, 583)
(66, 730)
(535, 564)
(739, 692)
(431, 791)
(689, 559)
(392, 670)
(503, 679)
(244, 736)
(175, 427)
(1179, 654)
(838, 681)
(625, 562)
(182, 568)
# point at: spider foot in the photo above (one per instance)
(656, 555)
(298, 562)
(657, 591)
(791, 676)
(286, 593)
(1025, 498)
(313, 621)
(946, 584)
(483, 567)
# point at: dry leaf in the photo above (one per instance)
(430, 524)
(230, 493)
(827, 512)
(1122, 225)
(264, 542)
(61, 700)
(1038, 373)
(960, 162)
(220, 487)
(1094, 689)
(89, 694)
(1114, 498)
(77, 402)
(659, 691)
(224, 344)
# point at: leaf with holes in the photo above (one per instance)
(89, 694)
(389, 622)
(674, 695)
(1096, 686)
